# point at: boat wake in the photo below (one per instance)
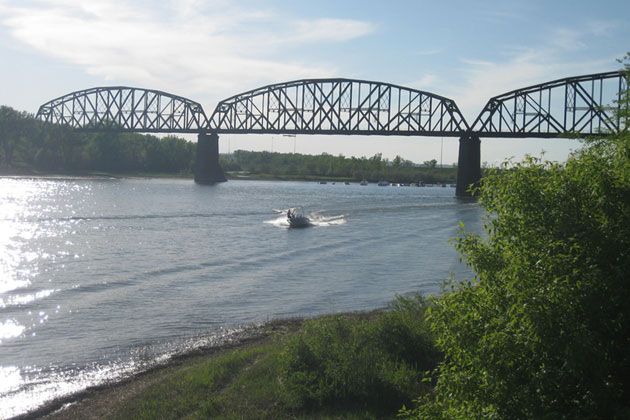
(317, 219)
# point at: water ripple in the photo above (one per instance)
(101, 278)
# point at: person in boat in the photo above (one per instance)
(289, 214)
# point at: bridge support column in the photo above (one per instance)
(468, 164)
(207, 168)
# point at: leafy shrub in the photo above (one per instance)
(404, 335)
(544, 330)
(351, 361)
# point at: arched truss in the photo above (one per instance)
(583, 105)
(338, 106)
(125, 109)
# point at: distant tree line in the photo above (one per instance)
(27, 144)
(373, 169)
(30, 145)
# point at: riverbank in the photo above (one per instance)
(89, 175)
(253, 375)
(245, 176)
(447, 178)
(236, 371)
(110, 400)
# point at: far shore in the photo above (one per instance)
(231, 176)
(116, 175)
(86, 175)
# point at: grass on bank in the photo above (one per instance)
(351, 366)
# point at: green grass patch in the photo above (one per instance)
(187, 392)
(351, 366)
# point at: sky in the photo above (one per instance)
(208, 50)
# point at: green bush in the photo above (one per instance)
(377, 364)
(543, 331)
(404, 335)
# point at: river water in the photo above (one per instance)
(99, 278)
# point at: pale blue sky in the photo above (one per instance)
(468, 51)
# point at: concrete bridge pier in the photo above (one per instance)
(207, 168)
(468, 164)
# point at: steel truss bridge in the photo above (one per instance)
(125, 109)
(338, 106)
(576, 106)
(572, 107)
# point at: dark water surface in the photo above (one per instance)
(100, 277)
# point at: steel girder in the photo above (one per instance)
(125, 109)
(574, 106)
(338, 106)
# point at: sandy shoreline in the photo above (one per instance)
(95, 402)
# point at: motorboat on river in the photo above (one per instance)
(296, 218)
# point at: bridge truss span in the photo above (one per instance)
(125, 109)
(338, 106)
(575, 106)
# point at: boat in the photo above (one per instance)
(364, 182)
(296, 217)
(383, 183)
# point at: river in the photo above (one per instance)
(100, 278)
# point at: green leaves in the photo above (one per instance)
(543, 330)
(28, 143)
(375, 364)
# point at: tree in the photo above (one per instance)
(543, 329)
(430, 163)
(11, 131)
(28, 144)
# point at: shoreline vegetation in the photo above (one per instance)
(438, 175)
(101, 400)
(258, 373)
(443, 176)
(231, 176)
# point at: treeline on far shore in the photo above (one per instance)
(326, 166)
(28, 145)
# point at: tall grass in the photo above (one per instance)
(378, 365)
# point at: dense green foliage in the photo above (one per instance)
(27, 144)
(378, 365)
(356, 366)
(543, 330)
(372, 169)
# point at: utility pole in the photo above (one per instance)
(291, 135)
